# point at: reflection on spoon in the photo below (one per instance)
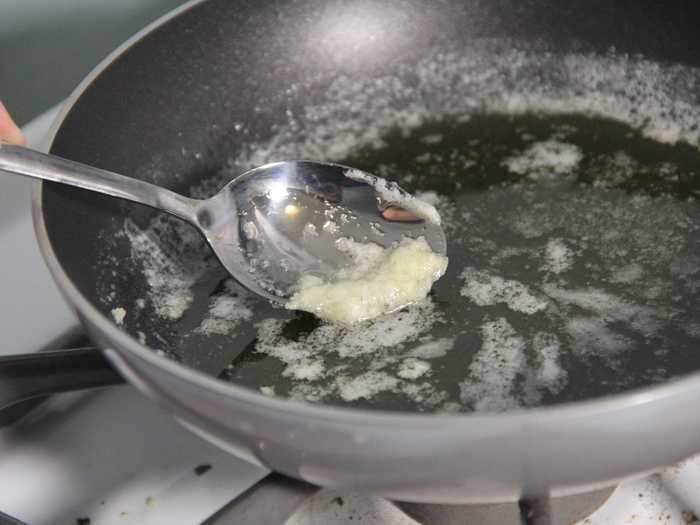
(394, 213)
(301, 209)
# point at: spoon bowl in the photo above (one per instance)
(271, 225)
(282, 220)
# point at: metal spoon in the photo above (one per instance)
(268, 226)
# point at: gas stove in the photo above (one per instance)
(111, 457)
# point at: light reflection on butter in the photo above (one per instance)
(291, 211)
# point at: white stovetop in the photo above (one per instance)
(114, 457)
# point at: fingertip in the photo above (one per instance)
(9, 131)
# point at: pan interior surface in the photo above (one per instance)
(568, 186)
(572, 274)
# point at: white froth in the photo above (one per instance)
(659, 100)
(425, 395)
(375, 337)
(494, 369)
(330, 227)
(168, 272)
(268, 390)
(608, 307)
(118, 314)
(558, 256)
(305, 369)
(413, 368)
(431, 197)
(693, 330)
(449, 218)
(365, 386)
(225, 313)
(451, 407)
(310, 393)
(433, 349)
(489, 76)
(545, 159)
(485, 289)
(627, 274)
(593, 336)
(385, 341)
(392, 193)
(614, 170)
(550, 373)
(529, 225)
(301, 358)
(389, 331)
(310, 230)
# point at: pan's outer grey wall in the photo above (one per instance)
(48, 46)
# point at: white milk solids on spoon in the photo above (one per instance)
(378, 281)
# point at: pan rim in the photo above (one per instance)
(590, 407)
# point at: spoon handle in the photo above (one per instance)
(17, 160)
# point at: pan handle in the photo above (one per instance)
(24, 376)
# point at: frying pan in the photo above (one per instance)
(217, 86)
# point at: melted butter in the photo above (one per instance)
(379, 281)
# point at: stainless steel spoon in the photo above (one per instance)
(268, 226)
